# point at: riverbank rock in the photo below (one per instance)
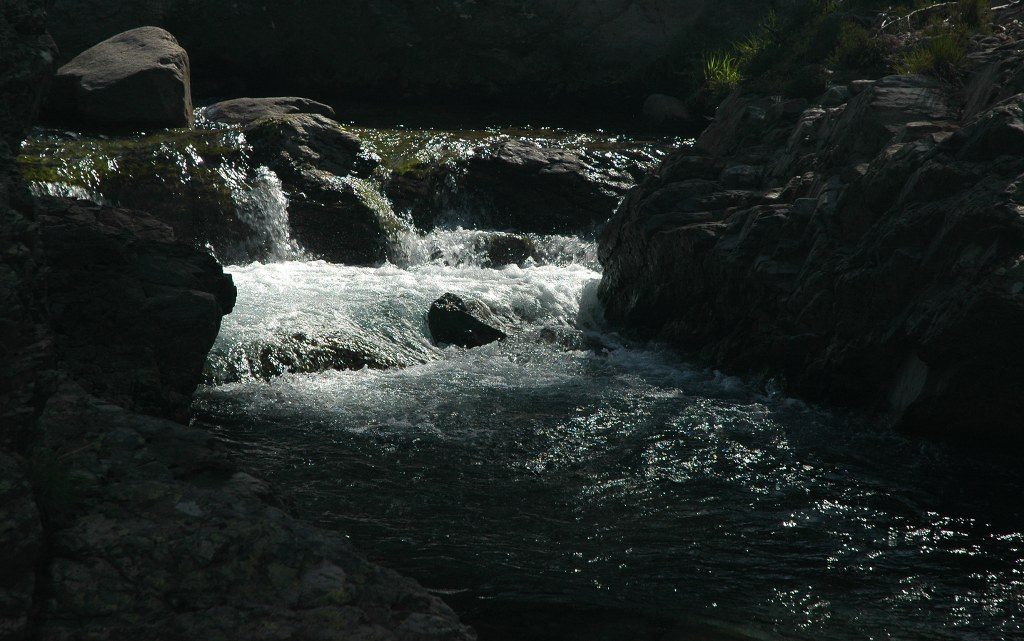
(452, 322)
(243, 111)
(163, 537)
(866, 254)
(115, 522)
(112, 268)
(139, 79)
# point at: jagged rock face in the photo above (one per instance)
(139, 78)
(454, 50)
(873, 257)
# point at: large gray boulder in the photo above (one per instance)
(139, 79)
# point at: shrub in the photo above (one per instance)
(858, 51)
(944, 56)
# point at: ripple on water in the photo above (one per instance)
(540, 471)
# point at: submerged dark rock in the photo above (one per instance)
(873, 257)
(452, 322)
(136, 79)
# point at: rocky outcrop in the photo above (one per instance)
(522, 187)
(161, 536)
(454, 322)
(139, 79)
(243, 111)
(334, 212)
(530, 53)
(115, 521)
(865, 254)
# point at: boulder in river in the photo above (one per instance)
(334, 211)
(242, 111)
(520, 186)
(139, 79)
(452, 322)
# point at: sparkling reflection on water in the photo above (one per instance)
(555, 490)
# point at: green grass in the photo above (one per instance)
(721, 72)
(943, 56)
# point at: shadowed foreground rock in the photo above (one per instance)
(140, 78)
(116, 522)
(452, 322)
(867, 253)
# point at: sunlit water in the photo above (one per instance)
(568, 485)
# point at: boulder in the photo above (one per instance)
(242, 111)
(451, 322)
(120, 268)
(521, 187)
(334, 212)
(139, 79)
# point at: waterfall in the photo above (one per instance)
(261, 204)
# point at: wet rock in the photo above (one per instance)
(243, 111)
(334, 212)
(876, 264)
(294, 354)
(452, 322)
(290, 143)
(507, 249)
(139, 79)
(836, 95)
(518, 186)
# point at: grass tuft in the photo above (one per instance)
(721, 72)
(943, 56)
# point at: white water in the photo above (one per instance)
(564, 467)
